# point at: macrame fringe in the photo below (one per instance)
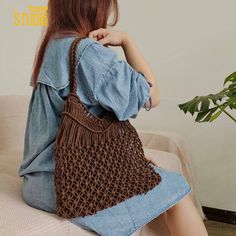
(79, 126)
(72, 133)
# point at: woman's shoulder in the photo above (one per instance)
(91, 55)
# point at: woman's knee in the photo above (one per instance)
(186, 200)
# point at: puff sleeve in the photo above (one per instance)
(115, 85)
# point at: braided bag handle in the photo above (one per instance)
(73, 64)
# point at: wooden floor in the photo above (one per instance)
(215, 228)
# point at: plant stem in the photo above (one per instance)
(227, 113)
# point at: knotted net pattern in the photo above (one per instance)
(99, 162)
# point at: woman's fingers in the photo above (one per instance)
(98, 34)
(108, 37)
(104, 40)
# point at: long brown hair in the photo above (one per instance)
(73, 17)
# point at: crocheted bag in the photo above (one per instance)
(99, 161)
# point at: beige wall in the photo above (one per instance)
(191, 48)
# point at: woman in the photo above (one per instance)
(104, 82)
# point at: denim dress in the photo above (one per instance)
(103, 82)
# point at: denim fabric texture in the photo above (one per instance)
(104, 82)
(122, 219)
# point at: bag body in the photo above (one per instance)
(99, 161)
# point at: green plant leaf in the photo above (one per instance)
(193, 105)
(231, 78)
(231, 102)
(216, 97)
(184, 106)
(208, 117)
(205, 104)
(201, 115)
(190, 106)
(232, 86)
(231, 92)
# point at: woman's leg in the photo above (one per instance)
(183, 219)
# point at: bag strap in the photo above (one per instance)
(73, 64)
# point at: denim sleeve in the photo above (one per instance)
(115, 85)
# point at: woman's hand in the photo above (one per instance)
(109, 37)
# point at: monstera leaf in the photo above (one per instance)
(209, 107)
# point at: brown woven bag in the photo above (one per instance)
(99, 162)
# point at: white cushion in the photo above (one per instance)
(18, 218)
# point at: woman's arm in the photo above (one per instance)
(137, 61)
(133, 56)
